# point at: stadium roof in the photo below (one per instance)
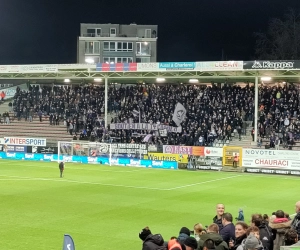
(218, 71)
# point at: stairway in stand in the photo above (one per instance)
(35, 129)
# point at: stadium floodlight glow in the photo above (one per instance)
(89, 60)
(160, 79)
(67, 80)
(266, 78)
(193, 81)
(97, 80)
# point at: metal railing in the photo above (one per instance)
(114, 35)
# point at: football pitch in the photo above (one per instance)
(105, 207)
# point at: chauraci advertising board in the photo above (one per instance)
(275, 159)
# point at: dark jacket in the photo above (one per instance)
(153, 242)
(218, 222)
(266, 236)
(238, 241)
(181, 237)
(296, 224)
(228, 232)
(219, 242)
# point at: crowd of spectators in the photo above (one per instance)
(214, 112)
(262, 233)
(279, 115)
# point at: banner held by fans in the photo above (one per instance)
(68, 243)
(179, 114)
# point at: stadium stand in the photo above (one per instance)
(215, 115)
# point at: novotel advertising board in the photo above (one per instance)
(273, 159)
(25, 141)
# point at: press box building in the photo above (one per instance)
(117, 43)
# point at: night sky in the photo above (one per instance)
(46, 31)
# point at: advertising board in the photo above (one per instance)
(93, 160)
(25, 141)
(275, 159)
(180, 158)
(190, 150)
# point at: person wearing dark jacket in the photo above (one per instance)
(265, 232)
(240, 234)
(213, 234)
(220, 208)
(296, 221)
(184, 233)
(61, 167)
(151, 241)
(228, 230)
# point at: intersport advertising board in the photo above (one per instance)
(273, 159)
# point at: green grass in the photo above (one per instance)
(104, 207)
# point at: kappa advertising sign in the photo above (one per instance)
(272, 65)
(219, 66)
(25, 141)
(277, 159)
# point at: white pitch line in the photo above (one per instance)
(18, 178)
(203, 182)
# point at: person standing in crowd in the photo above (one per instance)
(253, 133)
(265, 233)
(228, 230)
(291, 238)
(213, 235)
(198, 231)
(151, 241)
(280, 226)
(240, 234)
(252, 231)
(296, 221)
(40, 114)
(61, 167)
(220, 208)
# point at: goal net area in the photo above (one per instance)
(101, 153)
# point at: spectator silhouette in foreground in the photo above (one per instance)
(151, 241)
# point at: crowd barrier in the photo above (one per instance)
(93, 160)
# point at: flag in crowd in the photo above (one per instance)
(135, 112)
(179, 114)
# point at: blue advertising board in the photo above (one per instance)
(93, 160)
(16, 148)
